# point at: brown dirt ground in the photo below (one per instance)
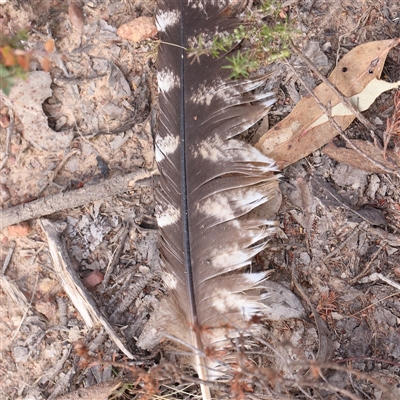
(112, 83)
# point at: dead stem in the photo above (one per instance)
(71, 199)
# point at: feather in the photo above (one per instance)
(209, 181)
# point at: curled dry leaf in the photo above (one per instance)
(307, 128)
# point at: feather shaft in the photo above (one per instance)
(209, 181)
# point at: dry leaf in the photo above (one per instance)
(354, 159)
(298, 135)
(362, 100)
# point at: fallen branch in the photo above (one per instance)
(71, 199)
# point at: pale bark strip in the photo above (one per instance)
(71, 199)
(14, 293)
(72, 284)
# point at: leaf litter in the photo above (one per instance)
(307, 128)
(312, 228)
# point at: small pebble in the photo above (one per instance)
(144, 270)
(93, 279)
(137, 30)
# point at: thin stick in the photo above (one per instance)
(362, 225)
(54, 173)
(374, 304)
(74, 198)
(362, 20)
(27, 310)
(375, 276)
(368, 266)
(10, 129)
(116, 255)
(8, 257)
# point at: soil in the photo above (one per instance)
(339, 226)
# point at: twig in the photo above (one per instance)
(116, 255)
(8, 257)
(325, 348)
(362, 225)
(367, 358)
(10, 129)
(368, 265)
(14, 293)
(54, 173)
(376, 276)
(349, 370)
(345, 100)
(27, 310)
(363, 19)
(338, 128)
(374, 304)
(62, 310)
(74, 198)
